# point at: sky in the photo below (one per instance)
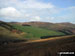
(55, 11)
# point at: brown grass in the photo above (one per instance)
(44, 47)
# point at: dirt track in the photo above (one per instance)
(44, 47)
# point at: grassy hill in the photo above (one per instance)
(35, 32)
(7, 34)
(11, 31)
(67, 28)
(42, 47)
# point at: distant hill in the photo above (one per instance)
(35, 30)
(19, 30)
(50, 25)
(67, 28)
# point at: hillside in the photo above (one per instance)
(44, 47)
(36, 32)
(14, 41)
(25, 31)
(9, 34)
(32, 30)
(67, 28)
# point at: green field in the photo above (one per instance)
(35, 32)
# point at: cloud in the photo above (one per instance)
(36, 4)
(35, 18)
(24, 9)
(9, 11)
(50, 18)
(26, 4)
(34, 10)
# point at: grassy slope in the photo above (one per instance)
(37, 32)
(67, 28)
(7, 35)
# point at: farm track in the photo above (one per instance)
(43, 47)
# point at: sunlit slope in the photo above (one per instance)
(35, 32)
